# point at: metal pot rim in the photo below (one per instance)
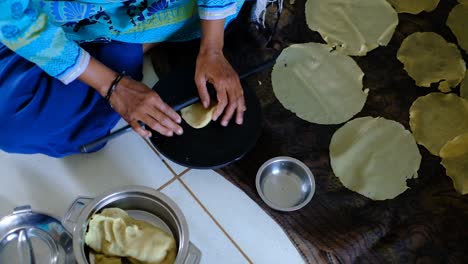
(86, 212)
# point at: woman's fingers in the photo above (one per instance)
(240, 109)
(200, 81)
(231, 107)
(139, 129)
(222, 100)
(164, 108)
(158, 126)
(166, 121)
(137, 102)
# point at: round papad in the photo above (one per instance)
(374, 157)
(457, 21)
(464, 87)
(428, 58)
(319, 85)
(454, 156)
(352, 27)
(437, 118)
(414, 6)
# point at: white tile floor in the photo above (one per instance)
(226, 225)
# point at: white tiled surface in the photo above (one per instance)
(252, 229)
(50, 184)
(204, 233)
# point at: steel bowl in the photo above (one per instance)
(285, 184)
(141, 203)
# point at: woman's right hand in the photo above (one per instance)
(135, 101)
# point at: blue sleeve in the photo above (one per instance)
(26, 30)
(216, 9)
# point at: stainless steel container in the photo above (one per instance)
(285, 184)
(31, 237)
(140, 202)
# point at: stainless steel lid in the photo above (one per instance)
(32, 237)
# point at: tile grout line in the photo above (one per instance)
(179, 177)
(214, 219)
(170, 168)
(163, 160)
(173, 179)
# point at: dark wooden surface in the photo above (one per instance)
(426, 224)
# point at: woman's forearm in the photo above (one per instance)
(212, 35)
(98, 76)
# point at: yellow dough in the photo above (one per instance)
(437, 118)
(414, 6)
(319, 85)
(454, 156)
(353, 27)
(428, 59)
(457, 21)
(374, 157)
(114, 233)
(463, 1)
(464, 87)
(197, 116)
(101, 259)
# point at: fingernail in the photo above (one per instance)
(179, 131)
(179, 120)
(224, 123)
(205, 104)
(239, 121)
(170, 134)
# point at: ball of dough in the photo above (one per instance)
(198, 116)
(114, 233)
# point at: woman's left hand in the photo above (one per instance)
(213, 67)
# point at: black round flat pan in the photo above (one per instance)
(213, 146)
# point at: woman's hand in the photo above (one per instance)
(135, 102)
(213, 67)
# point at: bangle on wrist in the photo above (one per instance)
(113, 86)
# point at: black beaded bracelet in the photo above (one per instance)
(114, 85)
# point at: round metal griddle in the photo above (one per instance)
(213, 146)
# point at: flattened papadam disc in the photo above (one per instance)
(374, 157)
(437, 118)
(352, 27)
(457, 21)
(414, 6)
(319, 85)
(454, 156)
(428, 58)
